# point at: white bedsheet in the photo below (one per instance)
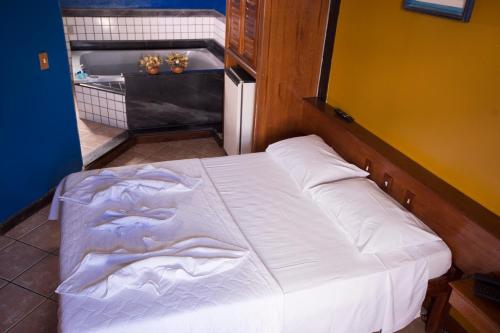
(180, 264)
(299, 273)
(328, 285)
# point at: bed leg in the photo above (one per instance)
(439, 291)
(438, 314)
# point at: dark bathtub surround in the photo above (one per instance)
(214, 47)
(190, 100)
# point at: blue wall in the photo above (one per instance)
(38, 133)
(219, 5)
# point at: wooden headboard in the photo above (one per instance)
(470, 230)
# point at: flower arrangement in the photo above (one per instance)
(151, 63)
(177, 61)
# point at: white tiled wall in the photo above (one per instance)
(219, 34)
(101, 106)
(144, 28)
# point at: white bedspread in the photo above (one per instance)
(250, 254)
(145, 250)
(329, 285)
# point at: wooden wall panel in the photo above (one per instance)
(289, 61)
(471, 231)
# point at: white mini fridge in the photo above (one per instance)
(239, 104)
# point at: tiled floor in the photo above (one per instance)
(93, 135)
(29, 268)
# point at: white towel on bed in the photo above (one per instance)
(101, 275)
(123, 185)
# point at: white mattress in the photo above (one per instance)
(302, 274)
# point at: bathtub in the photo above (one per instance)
(167, 101)
(112, 65)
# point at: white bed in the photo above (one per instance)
(290, 269)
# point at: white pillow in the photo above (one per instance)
(311, 162)
(373, 221)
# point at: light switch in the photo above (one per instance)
(43, 58)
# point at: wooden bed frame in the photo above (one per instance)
(471, 231)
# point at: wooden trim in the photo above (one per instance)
(331, 31)
(233, 59)
(471, 231)
(14, 220)
(171, 136)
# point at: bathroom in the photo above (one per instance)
(116, 97)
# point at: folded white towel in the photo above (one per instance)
(124, 186)
(102, 275)
(143, 217)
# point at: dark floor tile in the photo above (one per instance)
(16, 258)
(16, 303)
(5, 241)
(127, 158)
(147, 149)
(46, 237)
(42, 320)
(54, 297)
(29, 224)
(42, 278)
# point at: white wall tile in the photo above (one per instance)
(88, 99)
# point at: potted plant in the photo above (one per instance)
(151, 63)
(177, 61)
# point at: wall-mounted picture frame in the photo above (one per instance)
(454, 9)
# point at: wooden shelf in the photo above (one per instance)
(482, 314)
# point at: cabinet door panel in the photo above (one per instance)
(235, 25)
(250, 31)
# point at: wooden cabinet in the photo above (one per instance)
(242, 20)
(280, 43)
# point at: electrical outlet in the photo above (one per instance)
(43, 58)
(387, 183)
(408, 200)
(368, 165)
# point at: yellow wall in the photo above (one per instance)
(429, 86)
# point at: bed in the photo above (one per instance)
(230, 244)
